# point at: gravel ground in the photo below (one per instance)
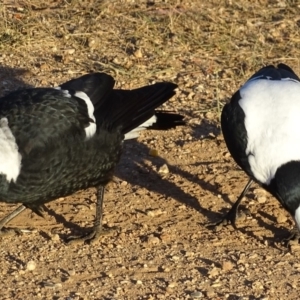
(157, 206)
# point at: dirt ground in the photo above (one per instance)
(160, 248)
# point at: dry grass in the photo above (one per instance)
(209, 49)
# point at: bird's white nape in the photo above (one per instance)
(91, 129)
(10, 158)
(272, 110)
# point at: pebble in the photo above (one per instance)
(210, 115)
(163, 169)
(138, 53)
(172, 284)
(153, 152)
(210, 293)
(153, 212)
(261, 199)
(71, 272)
(52, 285)
(196, 295)
(153, 240)
(213, 272)
(31, 265)
(55, 237)
(281, 218)
(227, 265)
(175, 257)
(165, 269)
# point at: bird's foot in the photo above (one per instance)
(293, 238)
(90, 237)
(229, 218)
(10, 231)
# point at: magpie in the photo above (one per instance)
(56, 141)
(260, 126)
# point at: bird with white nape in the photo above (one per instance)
(260, 126)
(56, 141)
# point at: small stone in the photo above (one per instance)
(163, 169)
(210, 293)
(189, 253)
(49, 284)
(71, 272)
(55, 237)
(196, 295)
(227, 266)
(138, 53)
(139, 282)
(58, 285)
(175, 257)
(213, 272)
(153, 212)
(261, 199)
(153, 240)
(172, 284)
(210, 115)
(281, 218)
(165, 269)
(31, 265)
(153, 152)
(124, 281)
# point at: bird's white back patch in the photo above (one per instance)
(10, 158)
(272, 121)
(91, 129)
(134, 133)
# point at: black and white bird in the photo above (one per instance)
(261, 130)
(56, 141)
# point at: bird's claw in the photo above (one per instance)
(90, 237)
(228, 219)
(293, 238)
(10, 231)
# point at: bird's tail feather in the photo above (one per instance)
(131, 108)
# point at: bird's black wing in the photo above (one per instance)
(235, 133)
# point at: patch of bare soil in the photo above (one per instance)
(161, 248)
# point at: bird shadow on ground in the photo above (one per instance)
(60, 219)
(205, 130)
(280, 233)
(138, 168)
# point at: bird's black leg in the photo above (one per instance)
(231, 216)
(5, 220)
(97, 230)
